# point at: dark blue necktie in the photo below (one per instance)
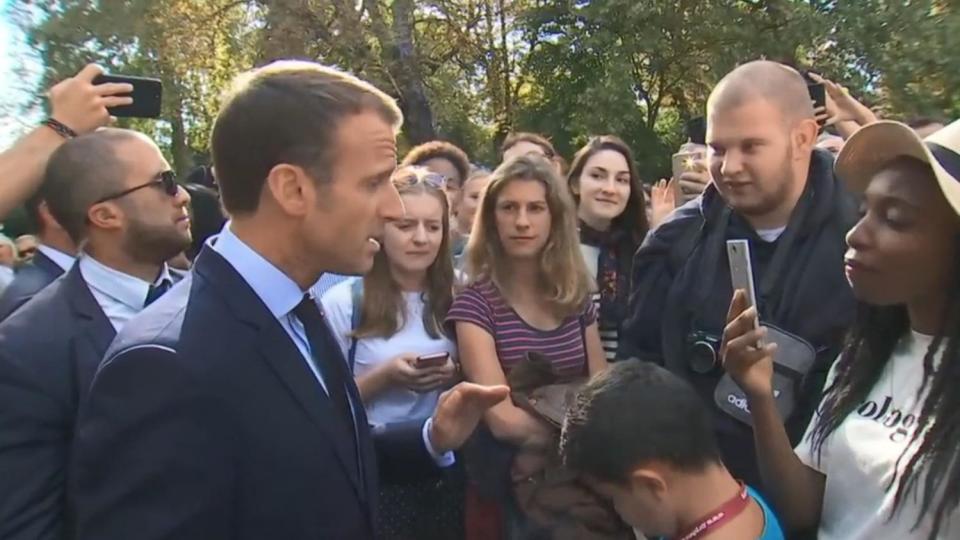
(328, 360)
(156, 291)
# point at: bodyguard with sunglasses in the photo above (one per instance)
(114, 194)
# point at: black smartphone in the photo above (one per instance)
(818, 94)
(697, 130)
(147, 94)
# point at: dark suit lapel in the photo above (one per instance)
(290, 366)
(52, 269)
(282, 355)
(94, 331)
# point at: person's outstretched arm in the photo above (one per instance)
(76, 103)
(795, 489)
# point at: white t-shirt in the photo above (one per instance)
(858, 458)
(771, 235)
(395, 404)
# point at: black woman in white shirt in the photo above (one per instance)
(880, 459)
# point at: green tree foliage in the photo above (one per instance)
(471, 71)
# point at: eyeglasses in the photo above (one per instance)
(166, 180)
(432, 179)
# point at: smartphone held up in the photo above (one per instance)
(689, 159)
(741, 274)
(147, 96)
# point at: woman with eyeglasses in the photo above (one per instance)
(528, 292)
(389, 326)
(613, 222)
(880, 457)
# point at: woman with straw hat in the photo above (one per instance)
(880, 458)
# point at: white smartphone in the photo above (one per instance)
(741, 273)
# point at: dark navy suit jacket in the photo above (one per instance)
(205, 423)
(49, 352)
(29, 280)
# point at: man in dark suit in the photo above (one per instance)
(108, 188)
(54, 256)
(226, 410)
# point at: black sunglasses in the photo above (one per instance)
(167, 180)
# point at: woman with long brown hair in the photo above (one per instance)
(613, 222)
(528, 292)
(389, 325)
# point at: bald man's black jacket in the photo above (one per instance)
(681, 287)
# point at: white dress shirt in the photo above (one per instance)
(121, 296)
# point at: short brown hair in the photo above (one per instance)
(439, 150)
(285, 112)
(81, 172)
(524, 136)
(564, 276)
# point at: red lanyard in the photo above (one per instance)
(719, 517)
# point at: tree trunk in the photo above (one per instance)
(284, 32)
(403, 63)
(182, 155)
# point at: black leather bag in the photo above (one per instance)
(793, 360)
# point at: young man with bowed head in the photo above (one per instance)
(661, 469)
(227, 411)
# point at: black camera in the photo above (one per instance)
(703, 352)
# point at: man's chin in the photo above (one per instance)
(357, 267)
(749, 206)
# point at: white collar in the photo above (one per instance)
(58, 257)
(128, 290)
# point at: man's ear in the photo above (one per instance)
(288, 186)
(805, 137)
(649, 480)
(106, 215)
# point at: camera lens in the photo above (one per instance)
(703, 357)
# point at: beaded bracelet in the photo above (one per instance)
(62, 129)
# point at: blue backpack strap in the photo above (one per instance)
(356, 297)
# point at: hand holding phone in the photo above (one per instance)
(749, 365)
(146, 93)
(81, 104)
(690, 174)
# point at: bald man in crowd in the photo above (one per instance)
(775, 189)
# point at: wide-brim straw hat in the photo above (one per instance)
(875, 145)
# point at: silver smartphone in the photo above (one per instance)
(741, 273)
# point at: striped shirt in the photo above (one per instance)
(609, 333)
(483, 305)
